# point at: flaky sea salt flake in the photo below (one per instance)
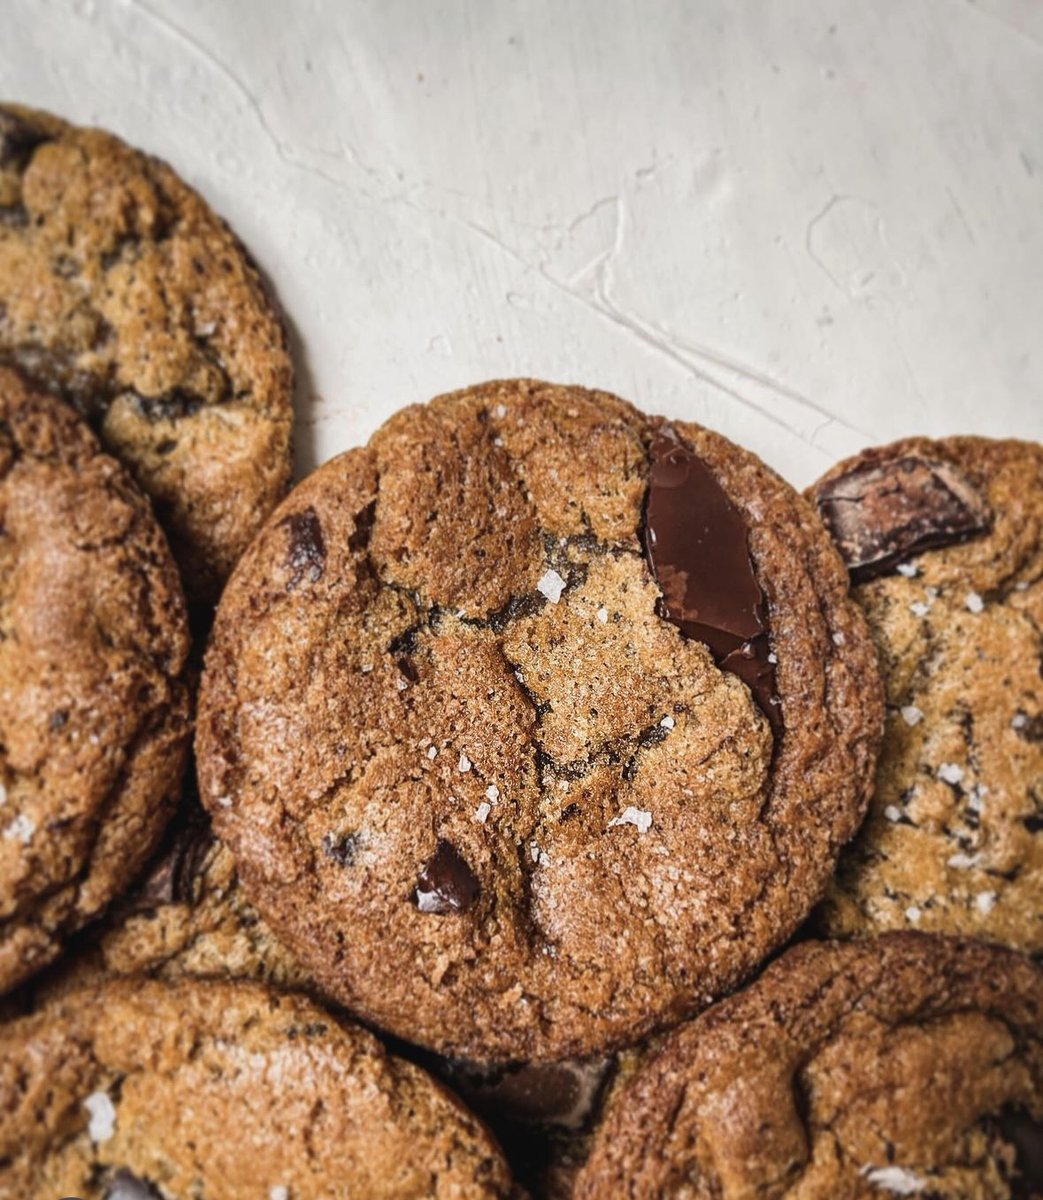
(974, 602)
(551, 585)
(102, 1123)
(634, 816)
(950, 773)
(911, 715)
(481, 813)
(896, 1180)
(21, 829)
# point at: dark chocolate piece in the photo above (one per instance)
(563, 1094)
(125, 1185)
(174, 874)
(1024, 1135)
(174, 405)
(881, 512)
(697, 544)
(446, 883)
(307, 552)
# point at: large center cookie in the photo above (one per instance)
(905, 1066)
(538, 722)
(94, 726)
(136, 1090)
(123, 293)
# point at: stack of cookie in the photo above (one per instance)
(547, 754)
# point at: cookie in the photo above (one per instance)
(121, 292)
(536, 723)
(94, 714)
(185, 917)
(945, 542)
(910, 1065)
(145, 1089)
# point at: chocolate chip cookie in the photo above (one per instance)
(945, 542)
(906, 1066)
(121, 292)
(94, 726)
(144, 1089)
(185, 917)
(537, 723)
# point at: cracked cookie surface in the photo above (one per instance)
(910, 1065)
(138, 1088)
(953, 842)
(490, 798)
(122, 293)
(94, 720)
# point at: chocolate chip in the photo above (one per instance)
(341, 847)
(562, 1093)
(446, 883)
(697, 545)
(125, 1185)
(306, 557)
(882, 511)
(174, 405)
(1023, 1134)
(18, 139)
(173, 877)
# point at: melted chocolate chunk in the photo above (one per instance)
(307, 553)
(697, 544)
(174, 875)
(18, 139)
(563, 1094)
(125, 1185)
(446, 883)
(1023, 1134)
(881, 512)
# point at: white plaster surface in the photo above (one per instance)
(811, 224)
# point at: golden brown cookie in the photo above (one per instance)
(536, 723)
(945, 541)
(94, 724)
(906, 1066)
(220, 1091)
(121, 292)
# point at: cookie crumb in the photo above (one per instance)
(102, 1123)
(634, 816)
(911, 715)
(551, 585)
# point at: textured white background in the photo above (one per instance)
(812, 224)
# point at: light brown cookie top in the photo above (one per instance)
(490, 797)
(905, 1066)
(124, 294)
(946, 539)
(94, 725)
(223, 1091)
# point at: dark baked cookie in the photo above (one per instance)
(146, 1089)
(945, 539)
(94, 723)
(474, 774)
(124, 294)
(905, 1066)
